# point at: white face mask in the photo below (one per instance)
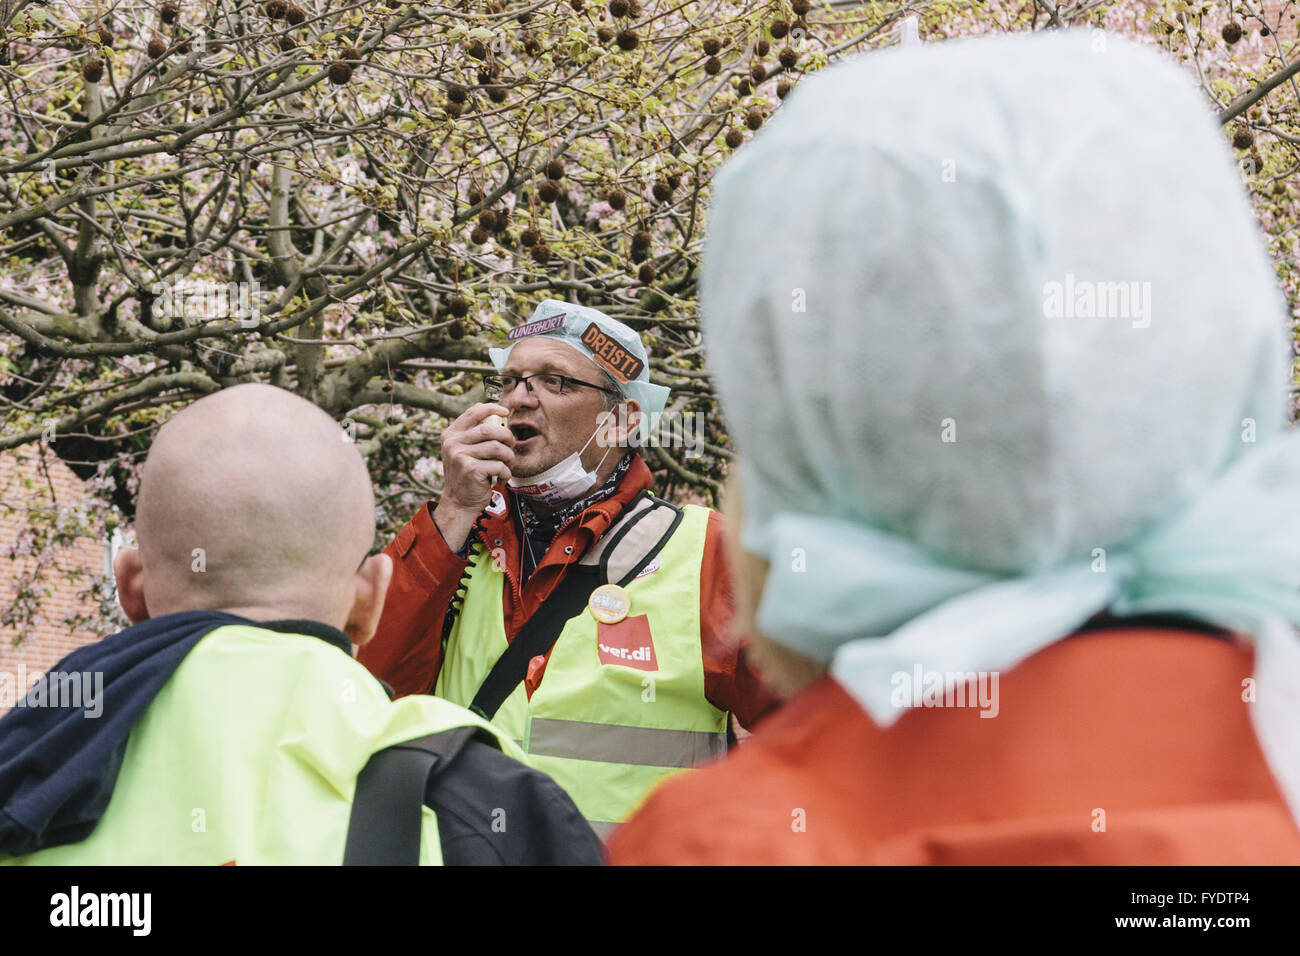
(564, 481)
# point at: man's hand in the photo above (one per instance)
(474, 451)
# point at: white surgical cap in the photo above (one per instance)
(569, 323)
(940, 434)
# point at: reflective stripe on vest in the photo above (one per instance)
(613, 714)
(250, 755)
(581, 740)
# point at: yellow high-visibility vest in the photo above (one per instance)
(250, 755)
(620, 706)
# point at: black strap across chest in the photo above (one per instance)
(542, 630)
(537, 636)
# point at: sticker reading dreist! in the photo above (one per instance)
(610, 355)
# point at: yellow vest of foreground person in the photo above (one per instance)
(250, 755)
(621, 706)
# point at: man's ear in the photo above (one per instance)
(128, 572)
(369, 588)
(626, 425)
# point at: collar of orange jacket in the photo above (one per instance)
(581, 531)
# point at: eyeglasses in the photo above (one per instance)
(552, 383)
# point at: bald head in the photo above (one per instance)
(252, 502)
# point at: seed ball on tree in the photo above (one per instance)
(754, 118)
(496, 93)
(156, 48)
(744, 86)
(673, 180)
(578, 5)
(458, 306)
(451, 109)
(533, 46)
(1243, 139)
(646, 273)
(555, 169)
(547, 191)
(530, 237)
(275, 9)
(662, 191)
(639, 254)
(295, 15)
(456, 330)
(762, 47)
(487, 219)
(712, 66)
(339, 72)
(457, 93)
(758, 72)
(92, 71)
(541, 253)
(788, 58)
(350, 53)
(617, 199)
(477, 49)
(734, 138)
(778, 29)
(627, 40)
(712, 46)
(1231, 32)
(619, 8)
(287, 44)
(783, 87)
(604, 34)
(524, 18)
(640, 239)
(475, 196)
(105, 35)
(168, 12)
(479, 235)
(800, 7)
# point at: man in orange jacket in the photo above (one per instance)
(1020, 531)
(564, 484)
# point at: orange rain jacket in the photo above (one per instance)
(1142, 731)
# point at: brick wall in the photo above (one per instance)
(51, 482)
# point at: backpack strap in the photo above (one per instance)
(631, 544)
(385, 826)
